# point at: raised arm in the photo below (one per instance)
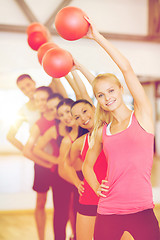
(142, 105)
(57, 87)
(74, 86)
(81, 86)
(89, 76)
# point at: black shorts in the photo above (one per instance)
(87, 210)
(141, 225)
(42, 179)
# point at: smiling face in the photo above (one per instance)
(64, 114)
(52, 106)
(108, 94)
(27, 86)
(83, 113)
(41, 100)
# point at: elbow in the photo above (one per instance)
(127, 67)
(61, 170)
(9, 137)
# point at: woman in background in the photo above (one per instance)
(65, 137)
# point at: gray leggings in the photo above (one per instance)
(142, 226)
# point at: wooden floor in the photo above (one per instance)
(16, 178)
(21, 226)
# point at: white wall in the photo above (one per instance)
(17, 57)
(122, 16)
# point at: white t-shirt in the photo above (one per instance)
(29, 116)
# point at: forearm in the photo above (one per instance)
(11, 135)
(90, 160)
(69, 174)
(58, 87)
(74, 86)
(37, 160)
(131, 80)
(43, 163)
(45, 156)
(81, 86)
(16, 143)
(90, 177)
(89, 76)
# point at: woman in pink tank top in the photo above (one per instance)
(83, 112)
(126, 201)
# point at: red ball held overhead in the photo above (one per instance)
(44, 48)
(71, 24)
(57, 62)
(36, 27)
(36, 39)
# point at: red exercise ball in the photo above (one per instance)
(44, 48)
(36, 27)
(36, 39)
(71, 24)
(57, 62)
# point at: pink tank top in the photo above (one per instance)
(130, 156)
(89, 197)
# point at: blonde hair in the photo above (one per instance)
(102, 116)
(105, 76)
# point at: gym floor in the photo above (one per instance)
(17, 199)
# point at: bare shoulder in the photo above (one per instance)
(78, 144)
(99, 134)
(79, 141)
(35, 130)
(66, 140)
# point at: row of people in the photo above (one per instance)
(115, 163)
(40, 115)
(46, 175)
